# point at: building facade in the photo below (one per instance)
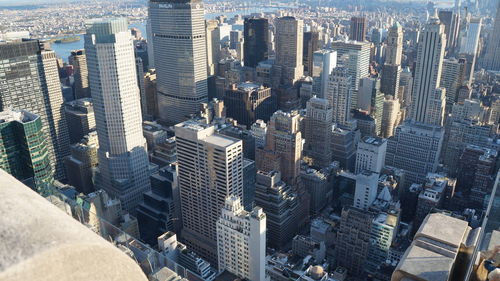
(241, 240)
(178, 29)
(123, 159)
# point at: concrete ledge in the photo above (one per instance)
(40, 242)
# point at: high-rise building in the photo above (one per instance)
(323, 63)
(310, 45)
(370, 155)
(246, 102)
(213, 45)
(366, 189)
(210, 168)
(344, 147)
(405, 83)
(394, 48)
(123, 160)
(24, 148)
(289, 49)
(318, 131)
(451, 21)
(151, 94)
(283, 149)
(256, 41)
(390, 116)
(179, 42)
(259, 132)
(81, 164)
(339, 94)
(430, 55)
(452, 78)
(390, 79)
(80, 73)
(160, 211)
(415, 148)
(353, 240)
(491, 60)
(371, 100)
(29, 80)
(80, 118)
(358, 29)
(469, 37)
(355, 56)
(241, 240)
(281, 206)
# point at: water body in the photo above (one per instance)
(63, 50)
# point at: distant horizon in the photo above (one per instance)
(7, 3)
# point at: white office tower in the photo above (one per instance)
(370, 155)
(366, 189)
(259, 131)
(289, 47)
(469, 37)
(430, 54)
(178, 35)
(356, 57)
(123, 159)
(324, 61)
(241, 240)
(210, 168)
(339, 94)
(390, 117)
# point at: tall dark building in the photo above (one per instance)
(310, 46)
(256, 37)
(358, 28)
(79, 61)
(247, 102)
(492, 56)
(29, 80)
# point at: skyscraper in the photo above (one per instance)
(241, 240)
(370, 155)
(311, 45)
(323, 63)
(178, 29)
(256, 40)
(318, 131)
(24, 148)
(29, 80)
(210, 169)
(247, 102)
(339, 94)
(394, 49)
(81, 75)
(283, 149)
(415, 148)
(80, 118)
(492, 57)
(123, 160)
(213, 45)
(469, 37)
(390, 116)
(355, 56)
(452, 78)
(358, 29)
(81, 163)
(392, 67)
(430, 54)
(289, 49)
